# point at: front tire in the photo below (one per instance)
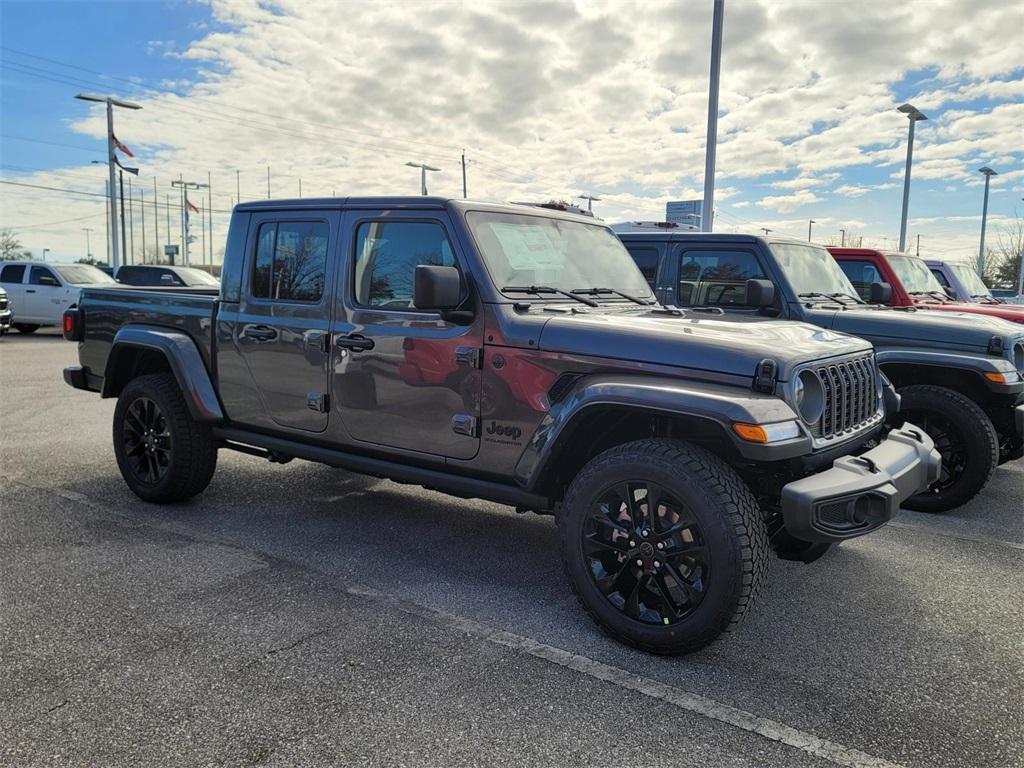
(26, 327)
(663, 544)
(963, 434)
(163, 454)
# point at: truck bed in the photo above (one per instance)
(191, 310)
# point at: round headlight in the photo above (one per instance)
(810, 396)
(1018, 356)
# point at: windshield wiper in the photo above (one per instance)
(542, 289)
(816, 295)
(988, 298)
(841, 295)
(599, 291)
(934, 294)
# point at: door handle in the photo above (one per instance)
(355, 342)
(30, 290)
(260, 332)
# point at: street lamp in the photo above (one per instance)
(111, 102)
(843, 243)
(88, 245)
(711, 140)
(989, 173)
(45, 251)
(423, 174)
(185, 237)
(913, 115)
(810, 223)
(590, 201)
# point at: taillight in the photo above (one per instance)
(72, 324)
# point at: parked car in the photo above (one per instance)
(963, 283)
(158, 274)
(42, 291)
(961, 376)
(6, 312)
(676, 449)
(913, 284)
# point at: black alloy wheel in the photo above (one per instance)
(647, 553)
(147, 440)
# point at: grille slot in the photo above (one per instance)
(850, 401)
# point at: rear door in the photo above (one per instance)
(281, 330)
(12, 277)
(404, 378)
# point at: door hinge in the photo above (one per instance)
(464, 424)
(468, 356)
(319, 402)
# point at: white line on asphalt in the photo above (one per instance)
(691, 702)
(959, 536)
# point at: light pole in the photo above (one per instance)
(913, 115)
(185, 187)
(842, 244)
(423, 174)
(810, 223)
(111, 102)
(707, 221)
(989, 173)
(590, 201)
(45, 251)
(766, 231)
(88, 245)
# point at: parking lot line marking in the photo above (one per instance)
(958, 536)
(691, 702)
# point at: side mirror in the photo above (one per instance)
(48, 280)
(881, 293)
(760, 293)
(436, 288)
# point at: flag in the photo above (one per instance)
(121, 146)
(190, 206)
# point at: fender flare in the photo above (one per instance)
(182, 356)
(976, 364)
(717, 404)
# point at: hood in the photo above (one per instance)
(1011, 312)
(725, 344)
(920, 329)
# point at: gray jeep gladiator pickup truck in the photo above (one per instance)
(960, 377)
(513, 354)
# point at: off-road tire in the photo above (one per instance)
(26, 327)
(973, 427)
(193, 450)
(730, 520)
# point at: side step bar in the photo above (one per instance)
(456, 485)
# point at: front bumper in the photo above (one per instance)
(861, 493)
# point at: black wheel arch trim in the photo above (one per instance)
(976, 364)
(716, 404)
(184, 359)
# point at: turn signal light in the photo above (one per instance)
(998, 378)
(751, 432)
(767, 433)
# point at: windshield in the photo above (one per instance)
(972, 282)
(524, 250)
(196, 276)
(811, 269)
(83, 274)
(915, 276)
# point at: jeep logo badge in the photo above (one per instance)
(502, 430)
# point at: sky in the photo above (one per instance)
(548, 99)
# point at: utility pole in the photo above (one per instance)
(167, 202)
(111, 102)
(843, 243)
(106, 218)
(88, 245)
(238, 185)
(989, 173)
(423, 174)
(918, 253)
(142, 209)
(765, 230)
(131, 221)
(209, 211)
(202, 225)
(124, 238)
(707, 209)
(268, 182)
(590, 201)
(810, 223)
(185, 187)
(156, 221)
(914, 115)
(300, 188)
(464, 193)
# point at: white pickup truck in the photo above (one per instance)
(41, 292)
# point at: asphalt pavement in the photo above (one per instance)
(300, 615)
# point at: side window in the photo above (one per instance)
(861, 274)
(647, 259)
(941, 277)
(716, 278)
(37, 273)
(387, 254)
(291, 261)
(12, 273)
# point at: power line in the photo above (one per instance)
(48, 224)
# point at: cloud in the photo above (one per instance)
(789, 203)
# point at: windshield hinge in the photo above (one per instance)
(765, 376)
(995, 346)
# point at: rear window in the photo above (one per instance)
(12, 273)
(862, 274)
(291, 261)
(716, 278)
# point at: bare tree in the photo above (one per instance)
(10, 245)
(1002, 262)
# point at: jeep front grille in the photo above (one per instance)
(851, 395)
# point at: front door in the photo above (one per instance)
(282, 326)
(404, 378)
(45, 296)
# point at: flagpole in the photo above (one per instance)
(131, 220)
(156, 220)
(142, 210)
(120, 177)
(202, 225)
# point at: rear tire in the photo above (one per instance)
(714, 553)
(26, 327)
(163, 454)
(963, 434)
